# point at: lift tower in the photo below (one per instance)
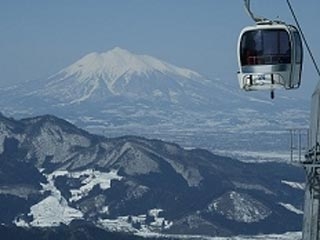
(311, 218)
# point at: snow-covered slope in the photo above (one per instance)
(119, 72)
(240, 207)
(115, 63)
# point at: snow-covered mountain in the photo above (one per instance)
(119, 92)
(54, 173)
(118, 72)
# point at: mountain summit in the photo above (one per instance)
(115, 63)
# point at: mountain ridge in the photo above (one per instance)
(135, 184)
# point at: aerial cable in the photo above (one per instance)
(303, 37)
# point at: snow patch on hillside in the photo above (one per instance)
(240, 207)
(54, 209)
(296, 185)
(137, 224)
(291, 208)
(52, 212)
(91, 178)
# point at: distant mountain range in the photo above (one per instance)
(118, 92)
(54, 173)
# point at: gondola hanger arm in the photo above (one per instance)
(251, 14)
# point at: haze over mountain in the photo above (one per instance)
(119, 92)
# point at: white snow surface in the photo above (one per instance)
(52, 212)
(295, 185)
(291, 208)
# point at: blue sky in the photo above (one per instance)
(39, 37)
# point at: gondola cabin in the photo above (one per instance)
(270, 56)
